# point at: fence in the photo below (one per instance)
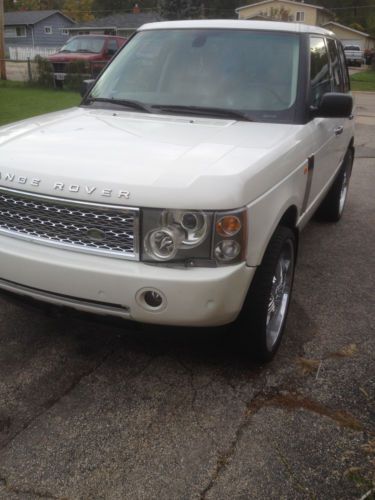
(21, 71)
(25, 53)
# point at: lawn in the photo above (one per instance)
(363, 81)
(18, 101)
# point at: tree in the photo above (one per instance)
(22, 5)
(79, 10)
(349, 12)
(181, 9)
(102, 8)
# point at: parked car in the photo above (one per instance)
(354, 55)
(93, 50)
(176, 192)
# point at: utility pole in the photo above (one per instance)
(3, 75)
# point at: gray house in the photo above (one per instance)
(116, 24)
(35, 31)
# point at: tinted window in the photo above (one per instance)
(319, 70)
(112, 46)
(337, 78)
(89, 44)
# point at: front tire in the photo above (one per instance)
(333, 205)
(263, 316)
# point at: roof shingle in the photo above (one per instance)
(28, 16)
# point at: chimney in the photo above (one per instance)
(136, 9)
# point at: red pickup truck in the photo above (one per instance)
(94, 50)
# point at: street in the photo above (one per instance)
(93, 410)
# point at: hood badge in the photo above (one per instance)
(11, 178)
(96, 235)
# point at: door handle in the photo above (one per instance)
(339, 130)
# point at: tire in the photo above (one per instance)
(332, 207)
(260, 328)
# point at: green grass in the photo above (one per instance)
(363, 81)
(17, 101)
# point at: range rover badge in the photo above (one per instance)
(95, 234)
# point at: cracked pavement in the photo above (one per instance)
(92, 410)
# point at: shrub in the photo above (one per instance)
(76, 72)
(44, 72)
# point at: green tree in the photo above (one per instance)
(79, 10)
(181, 9)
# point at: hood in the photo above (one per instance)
(143, 160)
(74, 56)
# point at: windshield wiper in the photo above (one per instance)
(84, 51)
(64, 50)
(121, 102)
(203, 111)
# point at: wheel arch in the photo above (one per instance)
(287, 216)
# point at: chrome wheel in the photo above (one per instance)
(344, 191)
(280, 294)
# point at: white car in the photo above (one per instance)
(176, 192)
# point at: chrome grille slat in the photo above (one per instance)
(65, 223)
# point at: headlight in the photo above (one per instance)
(192, 237)
(193, 225)
(163, 243)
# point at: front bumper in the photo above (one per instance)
(101, 285)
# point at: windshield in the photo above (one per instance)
(84, 44)
(254, 72)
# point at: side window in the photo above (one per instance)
(344, 68)
(337, 77)
(320, 78)
(112, 46)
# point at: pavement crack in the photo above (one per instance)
(289, 402)
(28, 491)
(293, 477)
(226, 455)
(293, 401)
(53, 401)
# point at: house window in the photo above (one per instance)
(48, 30)
(16, 32)
(300, 17)
(64, 31)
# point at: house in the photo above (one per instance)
(35, 31)
(116, 24)
(286, 10)
(350, 36)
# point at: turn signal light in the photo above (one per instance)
(229, 225)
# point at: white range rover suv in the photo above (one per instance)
(175, 193)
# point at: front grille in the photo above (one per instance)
(59, 67)
(88, 227)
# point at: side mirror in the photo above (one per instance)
(86, 86)
(111, 52)
(334, 105)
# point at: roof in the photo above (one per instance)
(30, 16)
(238, 24)
(342, 26)
(123, 21)
(302, 4)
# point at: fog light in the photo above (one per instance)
(153, 299)
(227, 250)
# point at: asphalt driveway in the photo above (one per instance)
(89, 410)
